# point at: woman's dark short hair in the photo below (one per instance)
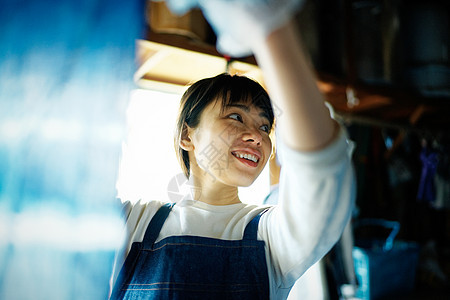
(229, 89)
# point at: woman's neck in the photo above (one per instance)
(211, 191)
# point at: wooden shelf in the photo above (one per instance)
(168, 68)
(171, 68)
(386, 106)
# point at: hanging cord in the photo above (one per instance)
(229, 61)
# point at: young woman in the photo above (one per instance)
(210, 245)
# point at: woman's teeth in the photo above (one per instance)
(247, 156)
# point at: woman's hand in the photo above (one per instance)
(241, 25)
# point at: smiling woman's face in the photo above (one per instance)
(231, 144)
(225, 108)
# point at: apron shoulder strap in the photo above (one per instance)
(251, 230)
(156, 224)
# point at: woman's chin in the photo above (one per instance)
(242, 180)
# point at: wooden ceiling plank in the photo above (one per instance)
(151, 62)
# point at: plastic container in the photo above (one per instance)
(384, 267)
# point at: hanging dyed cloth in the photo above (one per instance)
(442, 181)
(66, 70)
(426, 191)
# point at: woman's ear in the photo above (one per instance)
(185, 141)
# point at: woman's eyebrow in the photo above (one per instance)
(246, 108)
(241, 106)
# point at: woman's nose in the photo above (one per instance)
(252, 136)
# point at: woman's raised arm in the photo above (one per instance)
(265, 28)
(304, 120)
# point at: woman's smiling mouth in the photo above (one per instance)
(246, 158)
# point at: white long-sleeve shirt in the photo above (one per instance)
(315, 192)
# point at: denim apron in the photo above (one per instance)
(193, 267)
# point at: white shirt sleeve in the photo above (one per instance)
(137, 216)
(315, 198)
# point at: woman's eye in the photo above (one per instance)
(265, 128)
(236, 117)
